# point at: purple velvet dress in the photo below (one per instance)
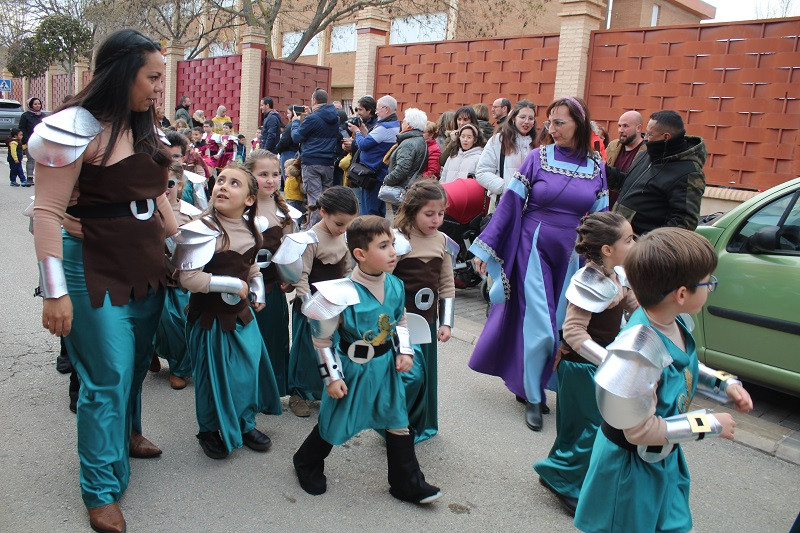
(529, 250)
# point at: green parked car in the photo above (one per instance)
(750, 325)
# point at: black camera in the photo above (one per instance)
(299, 109)
(356, 121)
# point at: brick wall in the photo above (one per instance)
(60, 89)
(292, 83)
(16, 90)
(211, 82)
(37, 89)
(442, 76)
(737, 85)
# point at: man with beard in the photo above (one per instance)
(664, 186)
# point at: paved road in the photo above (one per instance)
(481, 458)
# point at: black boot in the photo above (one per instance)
(63, 364)
(309, 463)
(533, 416)
(406, 480)
(74, 388)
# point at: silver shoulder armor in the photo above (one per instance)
(162, 135)
(294, 213)
(61, 138)
(188, 209)
(451, 247)
(625, 380)
(402, 246)
(194, 177)
(262, 224)
(591, 290)
(325, 306)
(193, 246)
(621, 276)
(288, 260)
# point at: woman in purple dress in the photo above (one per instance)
(528, 250)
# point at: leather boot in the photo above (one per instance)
(309, 463)
(569, 503)
(107, 518)
(212, 444)
(177, 382)
(141, 448)
(74, 389)
(533, 416)
(155, 364)
(406, 480)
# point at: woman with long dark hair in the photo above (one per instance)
(507, 149)
(528, 250)
(102, 172)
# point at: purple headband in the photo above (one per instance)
(577, 104)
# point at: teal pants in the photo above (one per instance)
(421, 384)
(171, 333)
(273, 322)
(110, 348)
(304, 378)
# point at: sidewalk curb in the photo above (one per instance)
(765, 436)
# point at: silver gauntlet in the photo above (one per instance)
(257, 290)
(330, 366)
(592, 352)
(229, 284)
(404, 341)
(447, 312)
(52, 282)
(715, 381)
(692, 426)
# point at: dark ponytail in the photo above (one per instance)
(597, 230)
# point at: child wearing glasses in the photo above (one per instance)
(170, 342)
(638, 479)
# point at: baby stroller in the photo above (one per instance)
(466, 211)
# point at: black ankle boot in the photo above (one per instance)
(309, 463)
(533, 416)
(74, 389)
(406, 480)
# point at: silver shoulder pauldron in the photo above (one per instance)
(591, 290)
(325, 306)
(452, 248)
(288, 260)
(625, 380)
(193, 246)
(60, 139)
(188, 209)
(402, 246)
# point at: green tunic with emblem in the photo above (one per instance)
(375, 396)
(622, 492)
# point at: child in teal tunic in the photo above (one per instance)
(597, 296)
(231, 370)
(638, 479)
(361, 373)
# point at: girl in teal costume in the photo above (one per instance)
(603, 240)
(232, 374)
(427, 272)
(328, 259)
(273, 320)
(102, 277)
(669, 269)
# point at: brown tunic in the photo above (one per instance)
(210, 305)
(123, 255)
(271, 237)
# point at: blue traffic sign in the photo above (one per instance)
(5, 86)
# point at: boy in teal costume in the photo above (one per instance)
(638, 479)
(361, 373)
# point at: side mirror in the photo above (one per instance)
(764, 240)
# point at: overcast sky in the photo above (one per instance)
(745, 9)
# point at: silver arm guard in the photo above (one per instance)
(692, 426)
(330, 366)
(225, 284)
(447, 312)
(257, 290)
(715, 381)
(404, 339)
(52, 282)
(592, 352)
